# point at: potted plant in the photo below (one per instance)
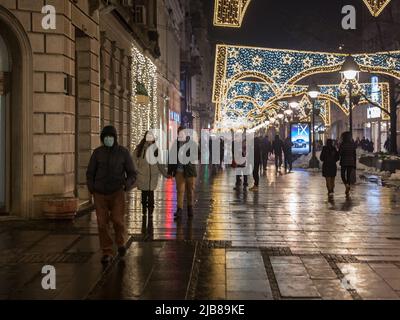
(142, 96)
(60, 208)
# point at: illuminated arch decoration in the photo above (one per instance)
(259, 91)
(282, 68)
(262, 95)
(332, 92)
(252, 100)
(323, 107)
(376, 6)
(230, 13)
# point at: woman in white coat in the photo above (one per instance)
(147, 174)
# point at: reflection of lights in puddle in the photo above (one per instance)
(293, 204)
(170, 198)
(374, 199)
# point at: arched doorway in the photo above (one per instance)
(4, 132)
(16, 170)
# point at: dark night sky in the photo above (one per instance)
(291, 24)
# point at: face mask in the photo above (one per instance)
(109, 141)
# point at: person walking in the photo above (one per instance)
(348, 159)
(277, 147)
(371, 147)
(148, 174)
(221, 153)
(185, 177)
(265, 150)
(363, 144)
(110, 173)
(329, 156)
(388, 144)
(240, 168)
(257, 163)
(287, 150)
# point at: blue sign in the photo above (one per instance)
(375, 92)
(300, 134)
(174, 116)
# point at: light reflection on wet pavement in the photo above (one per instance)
(288, 240)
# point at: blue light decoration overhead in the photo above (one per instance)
(256, 102)
(276, 72)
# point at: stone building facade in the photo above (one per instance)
(60, 86)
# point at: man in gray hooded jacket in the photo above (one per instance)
(110, 173)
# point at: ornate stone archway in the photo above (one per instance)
(21, 84)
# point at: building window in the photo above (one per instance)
(140, 14)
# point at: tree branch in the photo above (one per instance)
(375, 104)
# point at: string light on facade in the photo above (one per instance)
(143, 115)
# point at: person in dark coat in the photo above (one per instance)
(329, 157)
(185, 176)
(388, 144)
(371, 146)
(363, 143)
(110, 173)
(265, 150)
(238, 166)
(287, 150)
(348, 159)
(257, 163)
(221, 153)
(277, 148)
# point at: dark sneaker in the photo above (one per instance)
(106, 259)
(122, 251)
(178, 214)
(190, 211)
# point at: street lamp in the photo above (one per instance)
(313, 92)
(350, 72)
(293, 103)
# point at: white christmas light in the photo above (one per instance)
(143, 117)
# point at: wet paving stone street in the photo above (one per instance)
(285, 241)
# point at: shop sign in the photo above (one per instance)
(174, 116)
(300, 134)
